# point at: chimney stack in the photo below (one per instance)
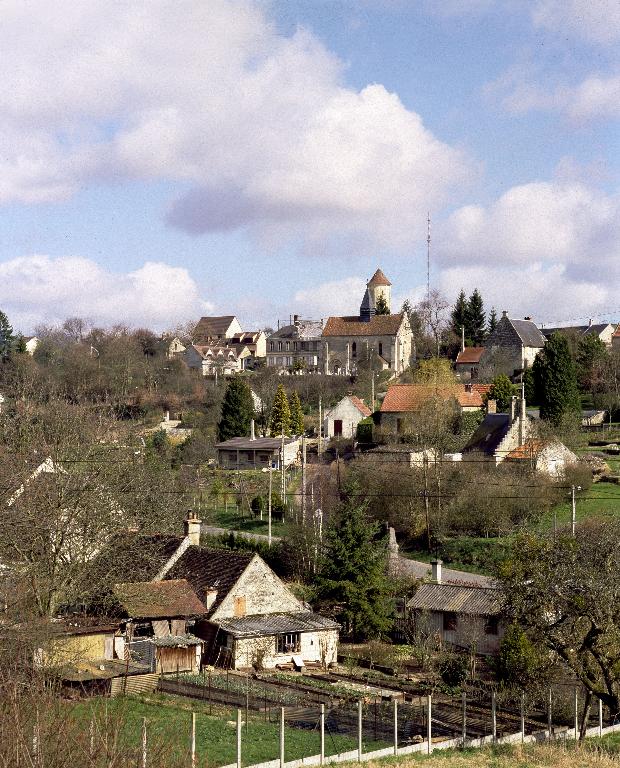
(436, 570)
(504, 313)
(192, 528)
(522, 416)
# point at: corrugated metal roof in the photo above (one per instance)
(276, 624)
(259, 443)
(476, 601)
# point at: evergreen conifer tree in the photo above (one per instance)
(6, 337)
(237, 410)
(555, 380)
(475, 325)
(352, 578)
(502, 391)
(458, 318)
(492, 324)
(280, 421)
(297, 415)
(381, 307)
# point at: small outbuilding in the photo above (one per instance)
(256, 453)
(343, 418)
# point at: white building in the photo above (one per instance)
(343, 418)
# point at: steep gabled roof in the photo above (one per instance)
(528, 333)
(378, 325)
(360, 405)
(379, 279)
(213, 326)
(489, 434)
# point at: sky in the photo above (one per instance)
(163, 160)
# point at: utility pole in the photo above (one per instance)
(428, 260)
(303, 480)
(426, 503)
(320, 430)
(574, 508)
(282, 479)
(372, 391)
(462, 338)
(269, 502)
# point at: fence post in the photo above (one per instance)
(92, 739)
(322, 758)
(464, 706)
(281, 737)
(600, 717)
(395, 726)
(576, 707)
(549, 715)
(144, 742)
(238, 738)
(522, 718)
(193, 740)
(429, 727)
(359, 730)
(493, 717)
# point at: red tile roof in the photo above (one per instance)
(360, 405)
(409, 397)
(529, 450)
(379, 279)
(379, 325)
(158, 599)
(469, 355)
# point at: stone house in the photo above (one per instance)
(602, 331)
(343, 418)
(296, 346)
(403, 400)
(500, 433)
(211, 359)
(467, 363)
(249, 347)
(257, 453)
(210, 330)
(368, 338)
(515, 342)
(460, 616)
(547, 457)
(251, 617)
(615, 340)
(174, 348)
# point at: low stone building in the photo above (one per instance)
(256, 453)
(468, 362)
(343, 418)
(548, 457)
(464, 617)
(500, 433)
(368, 339)
(513, 344)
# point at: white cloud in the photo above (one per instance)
(41, 289)
(211, 95)
(596, 21)
(338, 297)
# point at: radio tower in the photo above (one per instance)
(428, 258)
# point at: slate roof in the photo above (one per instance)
(469, 355)
(173, 598)
(379, 279)
(475, 601)
(528, 333)
(378, 325)
(303, 330)
(276, 624)
(596, 328)
(489, 434)
(403, 398)
(213, 326)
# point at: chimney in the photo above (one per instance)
(468, 388)
(210, 597)
(491, 406)
(252, 432)
(527, 317)
(522, 416)
(436, 570)
(590, 323)
(192, 528)
(295, 319)
(504, 313)
(513, 408)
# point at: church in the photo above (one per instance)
(375, 336)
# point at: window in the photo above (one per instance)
(449, 622)
(380, 348)
(271, 346)
(492, 625)
(289, 643)
(288, 346)
(354, 350)
(279, 346)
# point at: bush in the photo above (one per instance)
(518, 662)
(453, 669)
(364, 430)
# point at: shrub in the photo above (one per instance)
(453, 669)
(518, 662)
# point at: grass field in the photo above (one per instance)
(169, 723)
(234, 520)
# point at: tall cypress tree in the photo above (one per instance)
(555, 380)
(381, 307)
(475, 326)
(458, 318)
(6, 337)
(352, 580)
(280, 420)
(492, 324)
(297, 415)
(237, 410)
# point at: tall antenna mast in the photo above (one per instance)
(428, 258)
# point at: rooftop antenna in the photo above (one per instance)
(428, 258)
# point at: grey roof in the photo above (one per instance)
(475, 601)
(302, 329)
(528, 333)
(99, 669)
(176, 641)
(259, 443)
(584, 330)
(489, 434)
(276, 624)
(213, 326)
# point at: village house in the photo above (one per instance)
(465, 617)
(295, 346)
(257, 452)
(249, 346)
(174, 347)
(602, 331)
(212, 359)
(251, 617)
(468, 362)
(513, 345)
(210, 330)
(368, 339)
(403, 400)
(343, 418)
(31, 343)
(547, 457)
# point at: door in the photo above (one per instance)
(337, 427)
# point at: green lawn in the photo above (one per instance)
(169, 724)
(235, 520)
(599, 499)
